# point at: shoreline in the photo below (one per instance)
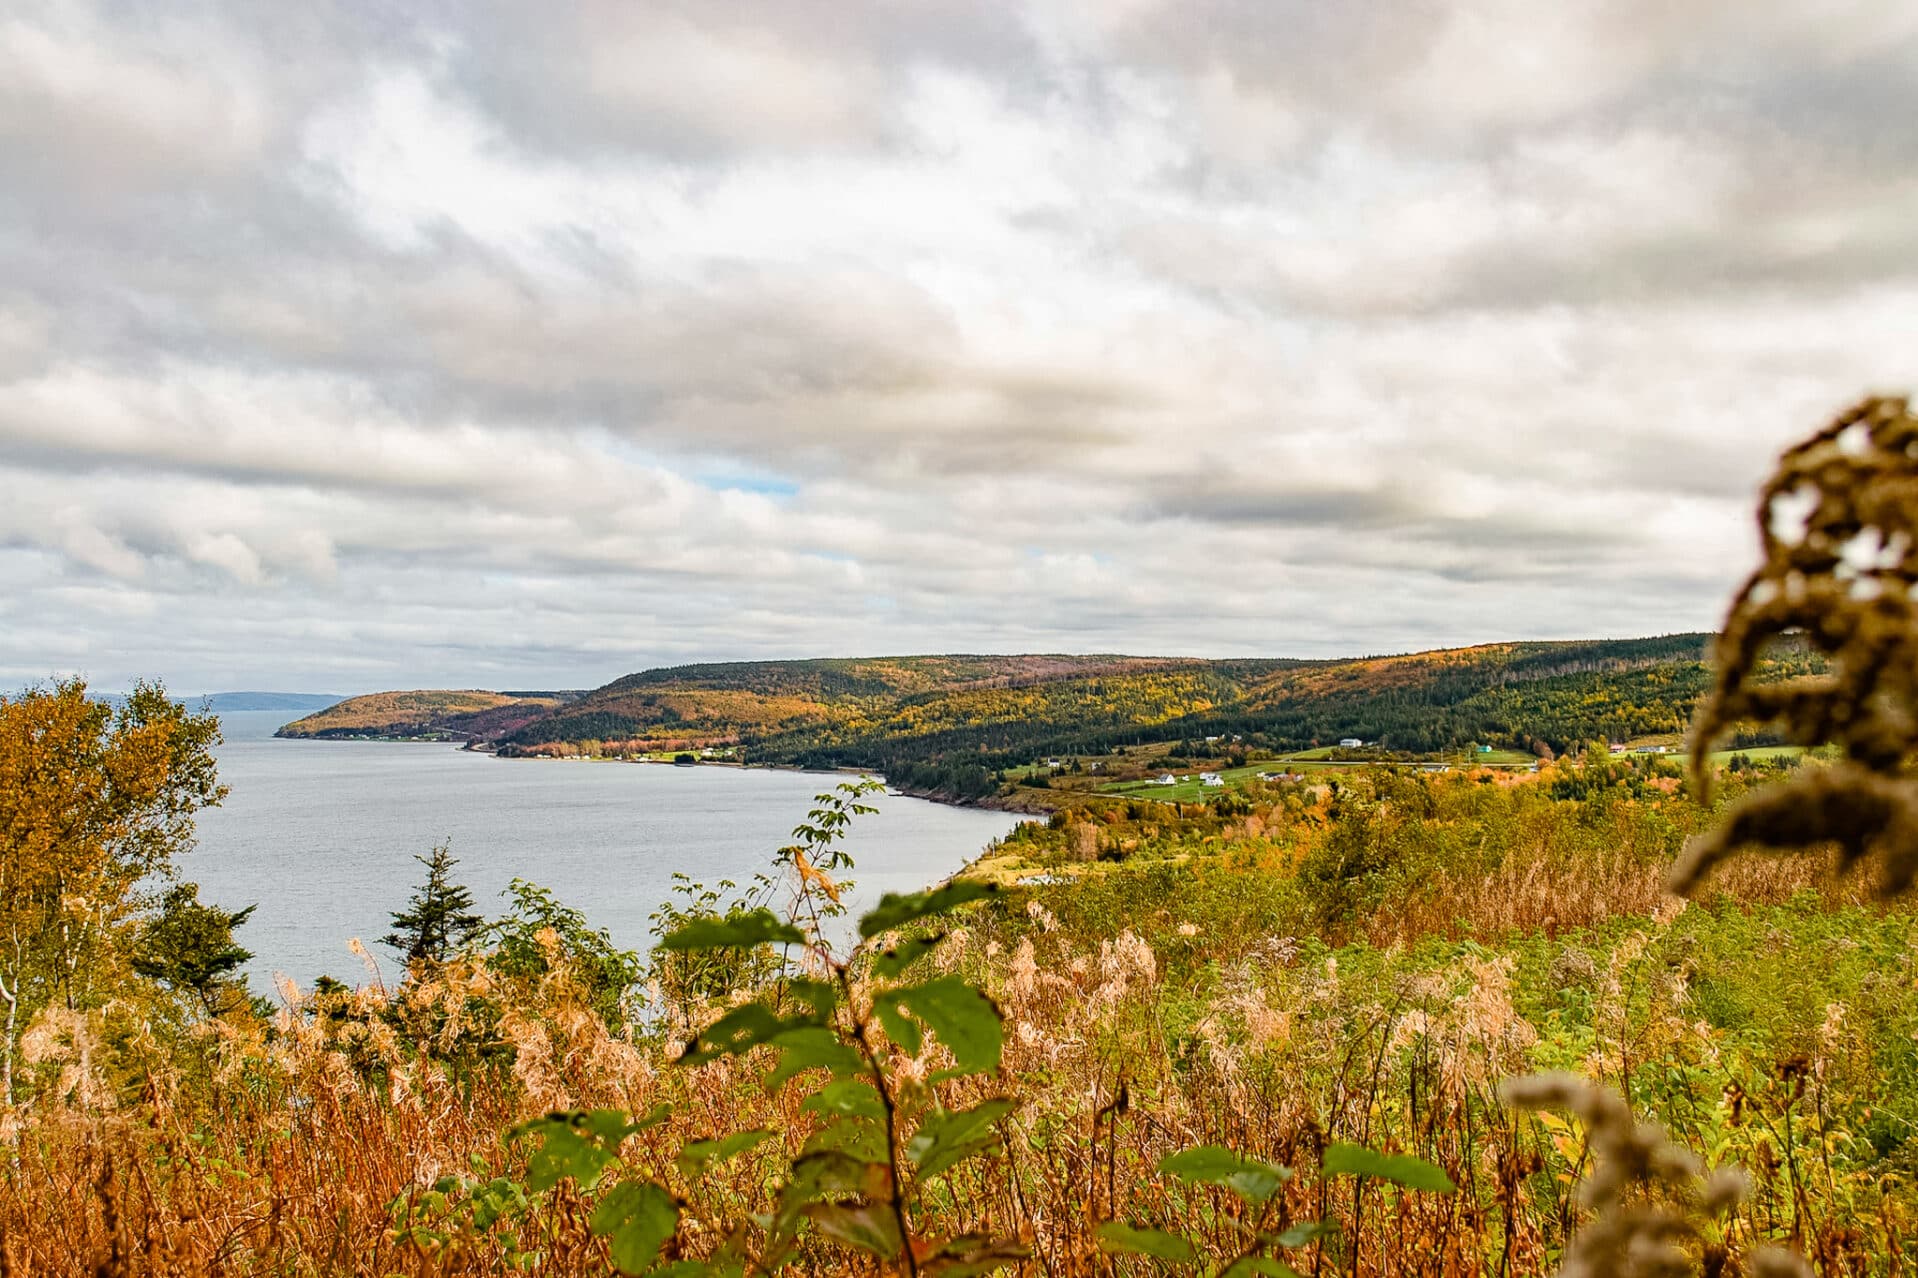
(992, 803)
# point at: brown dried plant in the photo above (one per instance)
(1839, 525)
(1654, 1206)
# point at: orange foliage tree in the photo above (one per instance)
(94, 804)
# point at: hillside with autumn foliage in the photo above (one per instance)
(956, 724)
(469, 714)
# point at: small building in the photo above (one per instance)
(1166, 778)
(1210, 778)
(1350, 743)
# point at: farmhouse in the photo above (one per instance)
(1350, 743)
(1210, 778)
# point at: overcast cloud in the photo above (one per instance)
(353, 346)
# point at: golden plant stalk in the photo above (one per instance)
(1838, 522)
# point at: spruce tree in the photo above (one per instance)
(190, 947)
(438, 918)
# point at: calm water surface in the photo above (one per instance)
(321, 836)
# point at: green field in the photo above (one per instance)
(1190, 791)
(1721, 757)
(1308, 762)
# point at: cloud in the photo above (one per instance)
(459, 344)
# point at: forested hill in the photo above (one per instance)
(949, 722)
(471, 715)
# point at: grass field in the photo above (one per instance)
(1721, 757)
(1188, 788)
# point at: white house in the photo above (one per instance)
(1166, 778)
(1350, 743)
(1210, 778)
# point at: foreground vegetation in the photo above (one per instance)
(1327, 969)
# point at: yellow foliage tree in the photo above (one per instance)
(94, 805)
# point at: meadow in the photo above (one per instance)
(1274, 974)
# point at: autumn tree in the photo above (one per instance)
(94, 803)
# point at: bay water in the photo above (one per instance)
(320, 836)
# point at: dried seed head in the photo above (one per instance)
(1839, 526)
(1776, 1262)
(1650, 1197)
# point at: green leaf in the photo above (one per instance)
(970, 1255)
(813, 1047)
(1123, 1239)
(829, 1172)
(868, 1226)
(821, 997)
(1247, 1265)
(747, 928)
(895, 909)
(944, 1138)
(578, 1143)
(964, 1019)
(900, 1028)
(565, 1154)
(636, 1219)
(611, 1125)
(1301, 1234)
(740, 1030)
(889, 963)
(1250, 1179)
(696, 1157)
(849, 1097)
(862, 1138)
(1401, 1169)
(825, 1173)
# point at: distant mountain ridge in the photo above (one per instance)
(234, 702)
(308, 702)
(934, 716)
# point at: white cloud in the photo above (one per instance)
(369, 350)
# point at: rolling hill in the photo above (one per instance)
(952, 723)
(428, 715)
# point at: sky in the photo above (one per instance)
(359, 346)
